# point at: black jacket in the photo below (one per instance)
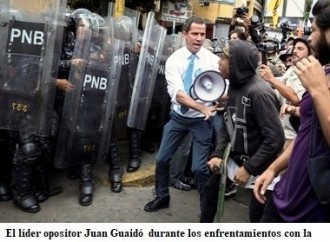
(252, 120)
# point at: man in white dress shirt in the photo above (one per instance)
(187, 114)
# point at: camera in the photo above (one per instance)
(286, 27)
(267, 47)
(257, 24)
(241, 11)
(255, 21)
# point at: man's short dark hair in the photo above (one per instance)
(240, 34)
(304, 41)
(190, 21)
(321, 10)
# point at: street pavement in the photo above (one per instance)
(124, 207)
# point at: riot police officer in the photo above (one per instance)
(27, 93)
(85, 129)
(125, 30)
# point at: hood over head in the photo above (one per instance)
(243, 58)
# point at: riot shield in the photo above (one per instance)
(160, 104)
(145, 78)
(178, 40)
(27, 80)
(125, 28)
(88, 110)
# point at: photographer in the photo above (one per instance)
(249, 25)
(272, 46)
(268, 50)
(241, 34)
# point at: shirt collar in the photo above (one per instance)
(187, 53)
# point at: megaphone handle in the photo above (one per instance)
(190, 93)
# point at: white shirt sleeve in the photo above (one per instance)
(174, 70)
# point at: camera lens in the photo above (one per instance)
(239, 11)
(254, 19)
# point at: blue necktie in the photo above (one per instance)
(187, 80)
(188, 75)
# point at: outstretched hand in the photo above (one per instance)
(287, 109)
(265, 73)
(64, 85)
(261, 184)
(208, 111)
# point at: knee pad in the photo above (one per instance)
(29, 153)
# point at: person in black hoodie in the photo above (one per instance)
(252, 122)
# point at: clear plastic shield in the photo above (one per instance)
(178, 40)
(88, 111)
(125, 28)
(125, 90)
(145, 78)
(134, 15)
(160, 104)
(27, 80)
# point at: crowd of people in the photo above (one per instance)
(268, 154)
(275, 97)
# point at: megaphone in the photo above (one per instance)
(208, 86)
